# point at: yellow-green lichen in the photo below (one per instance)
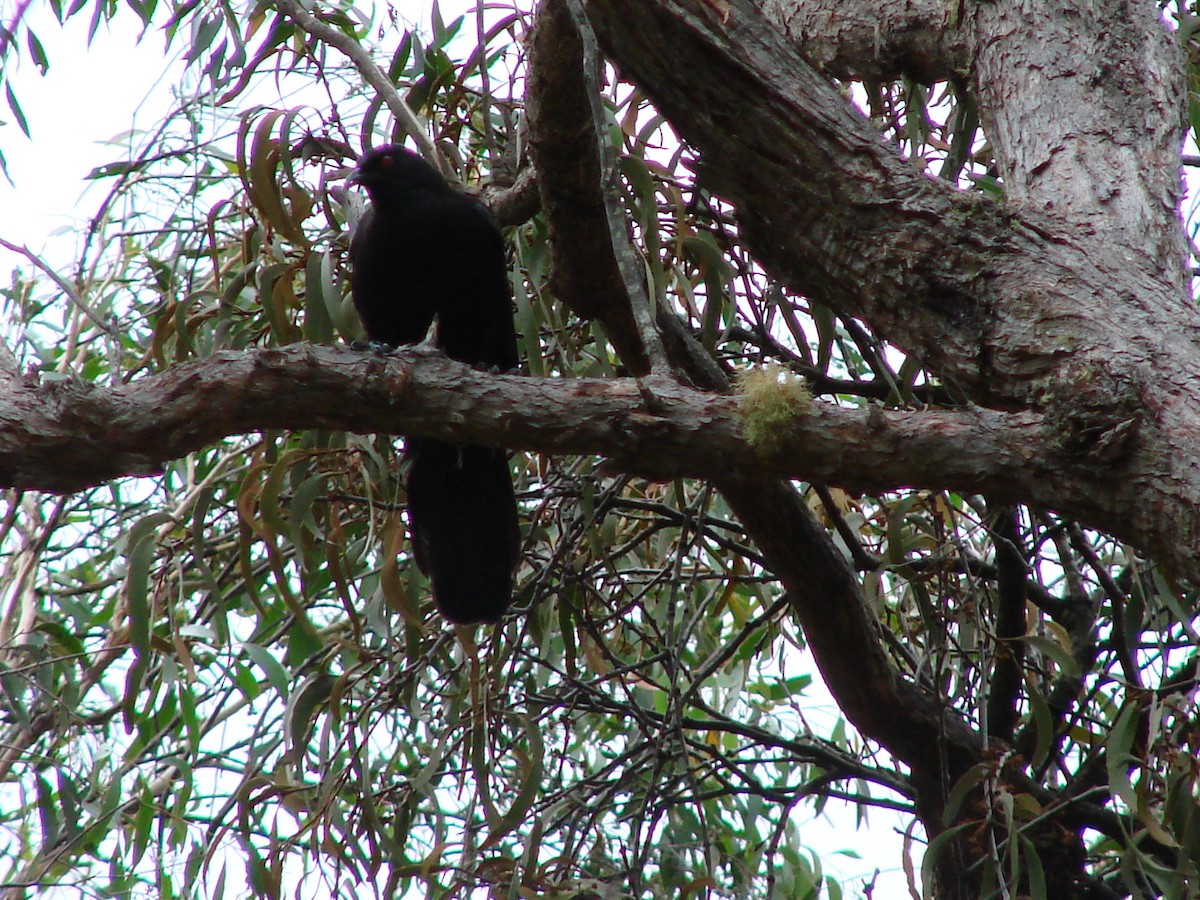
(770, 399)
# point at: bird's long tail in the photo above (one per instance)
(463, 519)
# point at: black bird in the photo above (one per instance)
(425, 252)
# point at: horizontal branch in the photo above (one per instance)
(67, 435)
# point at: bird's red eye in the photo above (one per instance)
(386, 162)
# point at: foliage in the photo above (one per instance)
(235, 663)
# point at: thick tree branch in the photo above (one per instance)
(983, 297)
(875, 41)
(826, 205)
(1015, 309)
(1086, 122)
(66, 435)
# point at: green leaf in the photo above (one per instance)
(140, 548)
(116, 169)
(962, 789)
(531, 766)
(70, 804)
(144, 9)
(276, 674)
(318, 321)
(303, 642)
(300, 511)
(64, 638)
(203, 35)
(36, 52)
(400, 57)
(16, 109)
(48, 813)
(777, 691)
(439, 26)
(302, 708)
(1043, 721)
(936, 846)
(1055, 651)
(1119, 758)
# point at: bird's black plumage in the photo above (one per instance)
(464, 526)
(425, 252)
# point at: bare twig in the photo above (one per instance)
(66, 286)
(372, 74)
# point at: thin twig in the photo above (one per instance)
(66, 286)
(372, 74)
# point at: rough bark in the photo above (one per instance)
(1086, 122)
(1015, 307)
(875, 41)
(67, 435)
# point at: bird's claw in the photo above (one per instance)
(490, 370)
(379, 348)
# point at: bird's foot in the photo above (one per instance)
(379, 348)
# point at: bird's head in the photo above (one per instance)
(392, 170)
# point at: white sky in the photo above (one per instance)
(89, 97)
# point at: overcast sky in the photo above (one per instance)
(90, 95)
